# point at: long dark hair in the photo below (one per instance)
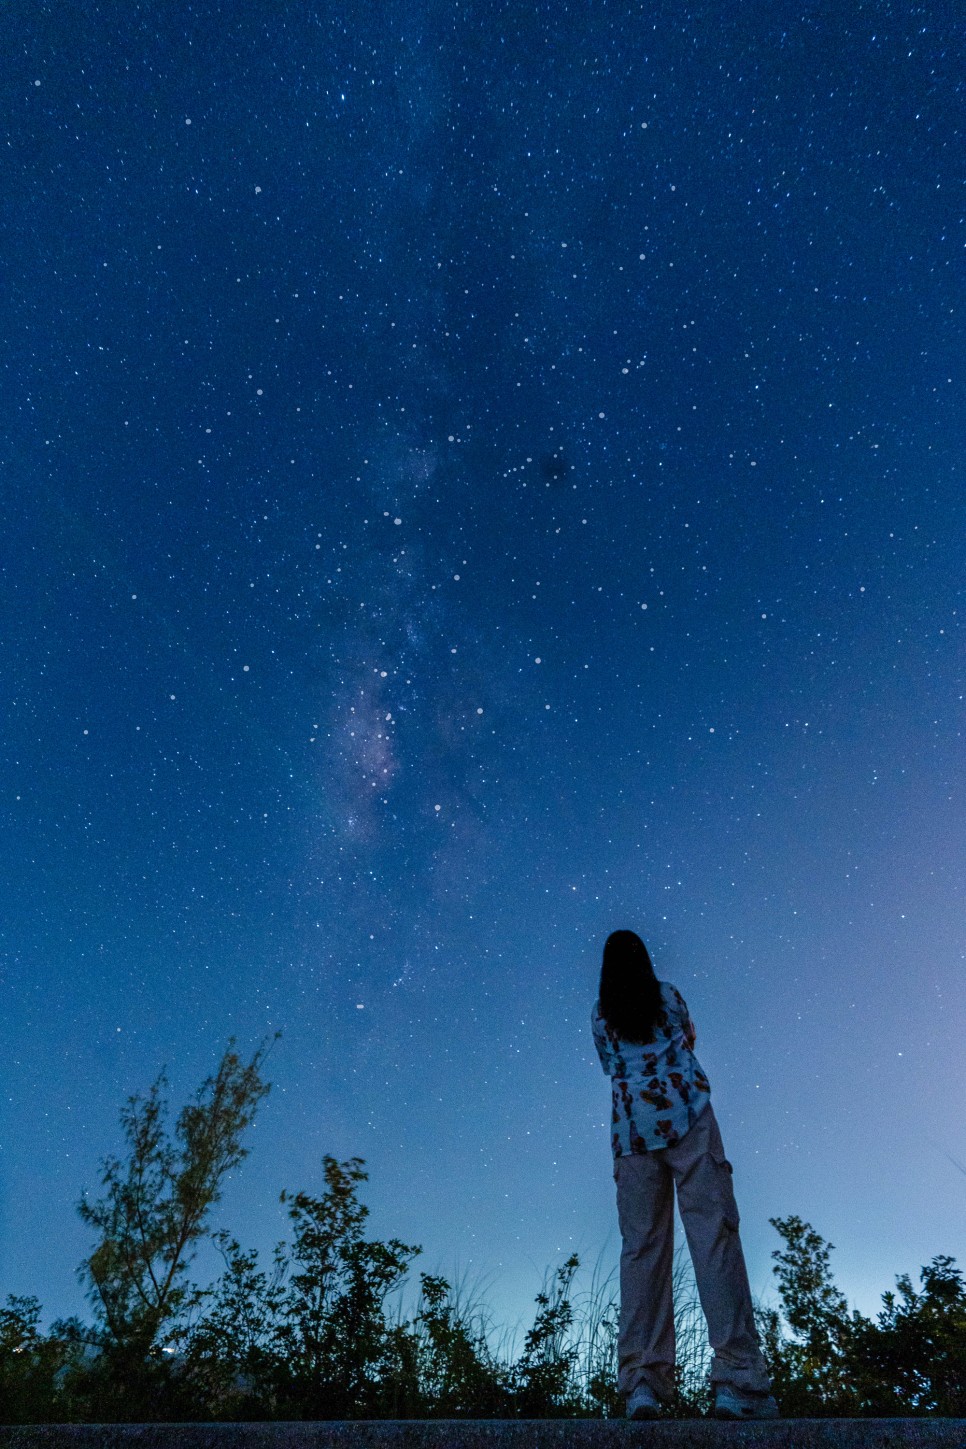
(630, 993)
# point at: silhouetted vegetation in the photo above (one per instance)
(313, 1337)
(909, 1360)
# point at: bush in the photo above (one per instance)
(312, 1338)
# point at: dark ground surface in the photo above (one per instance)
(498, 1434)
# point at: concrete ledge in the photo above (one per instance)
(498, 1434)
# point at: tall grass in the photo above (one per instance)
(581, 1321)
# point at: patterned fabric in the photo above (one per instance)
(658, 1090)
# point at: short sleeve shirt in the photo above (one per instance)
(658, 1090)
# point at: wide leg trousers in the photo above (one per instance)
(699, 1170)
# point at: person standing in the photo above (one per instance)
(665, 1136)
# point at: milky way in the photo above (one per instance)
(479, 477)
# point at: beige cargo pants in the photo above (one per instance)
(702, 1174)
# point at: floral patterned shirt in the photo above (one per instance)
(659, 1088)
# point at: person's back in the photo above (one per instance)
(659, 1088)
(664, 1135)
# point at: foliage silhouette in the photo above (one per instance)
(913, 1360)
(312, 1339)
(151, 1218)
(811, 1372)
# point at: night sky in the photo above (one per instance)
(475, 477)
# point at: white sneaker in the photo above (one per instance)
(643, 1403)
(732, 1403)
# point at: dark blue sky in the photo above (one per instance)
(475, 477)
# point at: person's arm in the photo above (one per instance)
(690, 1035)
(600, 1041)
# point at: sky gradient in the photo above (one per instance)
(475, 477)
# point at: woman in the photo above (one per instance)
(664, 1135)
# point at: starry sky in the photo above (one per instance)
(476, 476)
